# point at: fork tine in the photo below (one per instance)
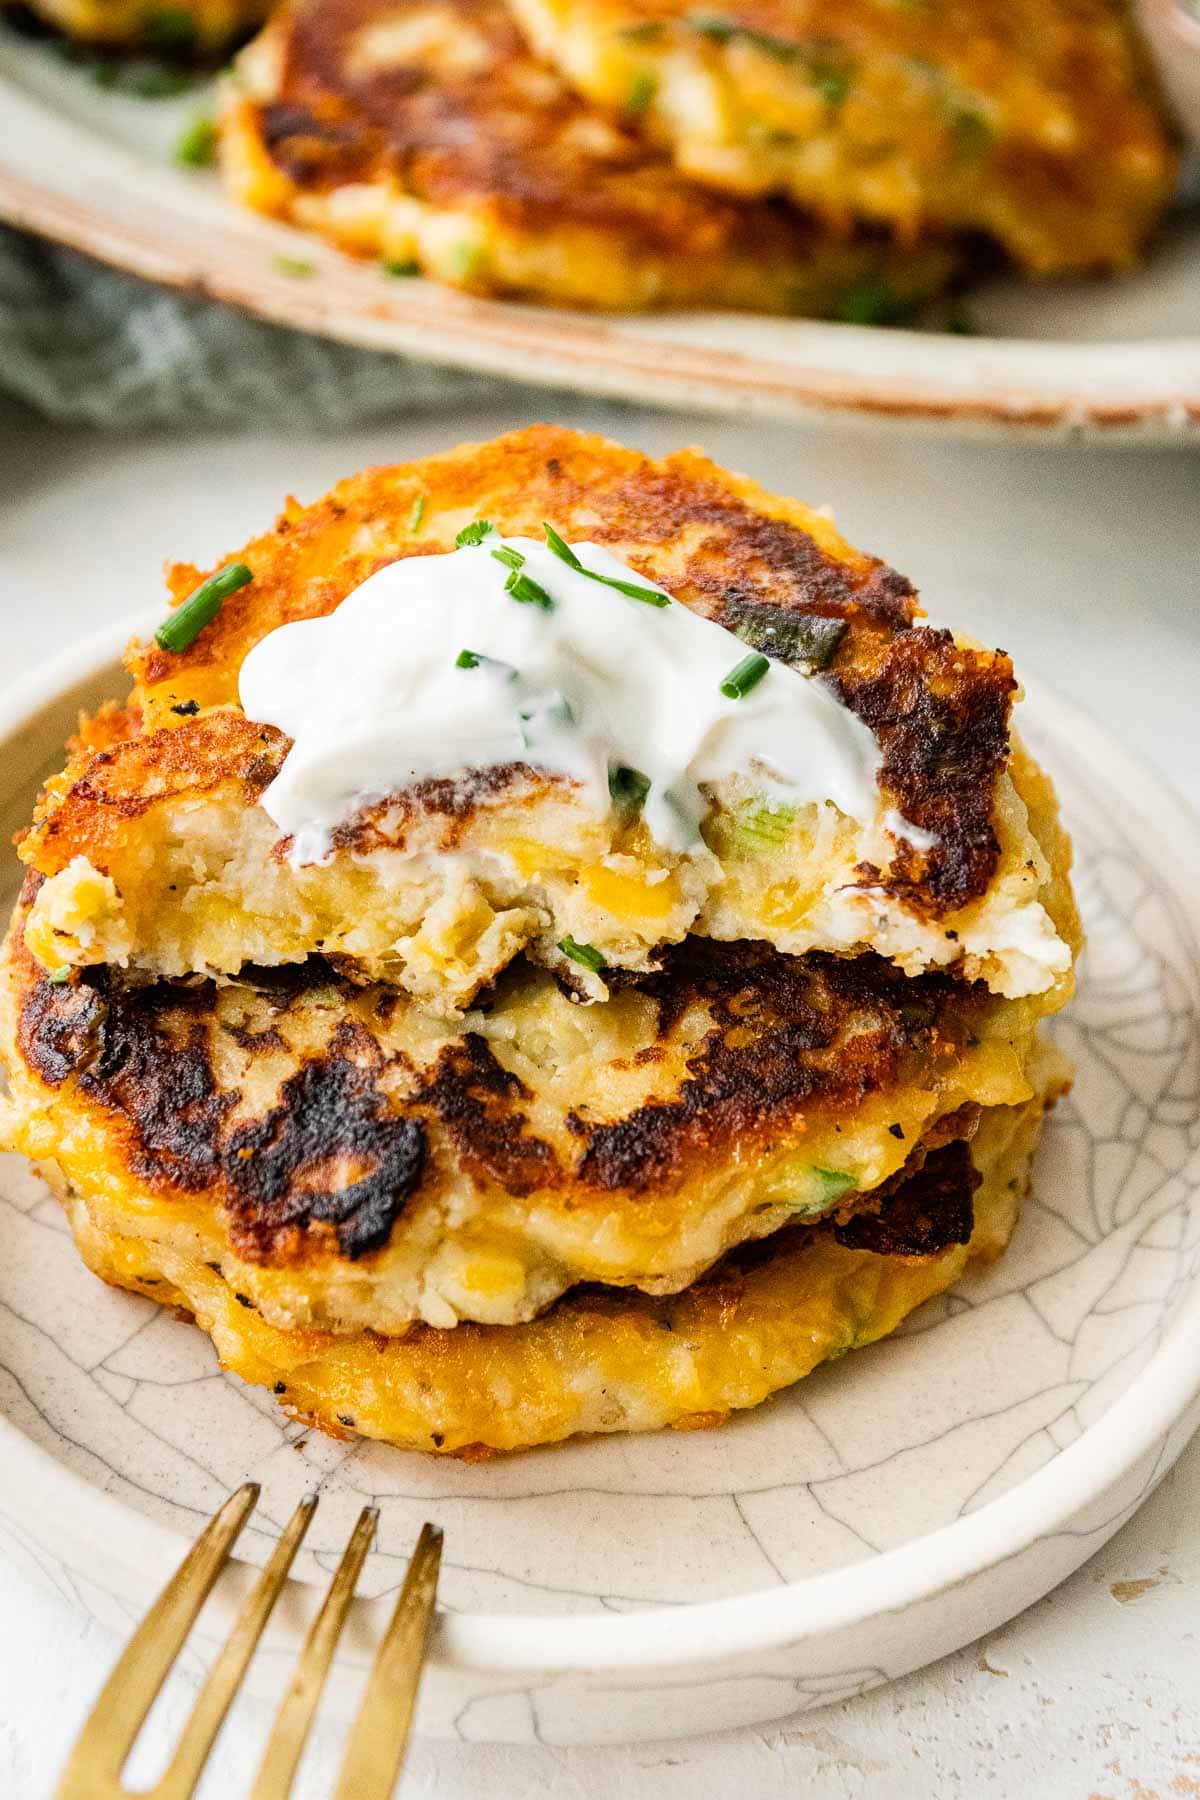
(294, 1719)
(103, 1745)
(380, 1734)
(225, 1676)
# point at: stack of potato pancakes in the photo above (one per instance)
(848, 158)
(503, 1119)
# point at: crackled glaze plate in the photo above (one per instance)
(1098, 361)
(884, 1512)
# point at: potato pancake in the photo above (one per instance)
(601, 1361)
(158, 853)
(424, 133)
(1035, 122)
(350, 1161)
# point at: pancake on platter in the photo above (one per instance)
(1034, 122)
(424, 133)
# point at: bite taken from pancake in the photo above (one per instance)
(281, 782)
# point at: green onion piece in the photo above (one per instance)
(745, 675)
(760, 826)
(467, 659)
(649, 33)
(293, 265)
(395, 266)
(60, 975)
(562, 549)
(196, 147)
(417, 514)
(201, 608)
(511, 558)
(528, 591)
(474, 533)
(805, 641)
(583, 954)
(628, 787)
(641, 92)
(834, 1183)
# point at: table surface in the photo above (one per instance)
(1086, 566)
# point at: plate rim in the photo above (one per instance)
(717, 1631)
(1111, 391)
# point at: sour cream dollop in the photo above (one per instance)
(379, 695)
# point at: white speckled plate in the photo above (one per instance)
(885, 1511)
(1102, 361)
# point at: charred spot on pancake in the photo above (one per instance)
(59, 1027)
(927, 1213)
(291, 1168)
(331, 1151)
(478, 1103)
(772, 1050)
(940, 713)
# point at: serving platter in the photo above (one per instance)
(884, 1512)
(1103, 361)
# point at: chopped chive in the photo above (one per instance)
(723, 31)
(171, 28)
(641, 92)
(293, 265)
(632, 589)
(584, 954)
(200, 608)
(649, 33)
(150, 82)
(873, 302)
(467, 659)
(628, 787)
(649, 596)
(400, 267)
(60, 975)
(511, 558)
(528, 591)
(196, 147)
(720, 30)
(417, 514)
(561, 548)
(971, 132)
(832, 82)
(745, 675)
(474, 533)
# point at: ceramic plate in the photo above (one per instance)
(887, 1510)
(1106, 361)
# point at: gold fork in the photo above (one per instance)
(380, 1732)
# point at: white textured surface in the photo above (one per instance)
(1083, 569)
